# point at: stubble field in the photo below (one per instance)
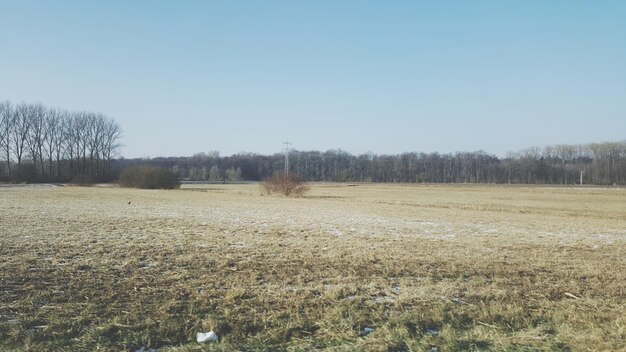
(347, 268)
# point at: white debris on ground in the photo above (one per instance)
(206, 337)
(144, 349)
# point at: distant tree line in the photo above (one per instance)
(598, 163)
(41, 144)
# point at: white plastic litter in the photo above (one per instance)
(143, 349)
(206, 336)
(367, 331)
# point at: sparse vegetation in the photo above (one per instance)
(286, 184)
(149, 177)
(456, 267)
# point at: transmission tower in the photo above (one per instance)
(286, 150)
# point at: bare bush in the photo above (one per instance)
(149, 177)
(286, 184)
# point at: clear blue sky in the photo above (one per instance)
(183, 77)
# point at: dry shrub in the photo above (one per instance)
(149, 177)
(286, 184)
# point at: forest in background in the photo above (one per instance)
(598, 163)
(40, 144)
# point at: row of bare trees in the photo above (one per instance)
(594, 163)
(597, 163)
(38, 143)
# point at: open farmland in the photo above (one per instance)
(452, 267)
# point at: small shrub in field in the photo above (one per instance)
(286, 184)
(149, 177)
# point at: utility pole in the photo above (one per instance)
(581, 176)
(286, 150)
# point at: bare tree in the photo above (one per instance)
(37, 135)
(53, 130)
(110, 142)
(6, 125)
(94, 129)
(78, 139)
(60, 142)
(70, 141)
(20, 131)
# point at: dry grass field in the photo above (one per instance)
(347, 268)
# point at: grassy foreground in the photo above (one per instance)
(348, 268)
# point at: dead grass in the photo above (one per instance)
(456, 267)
